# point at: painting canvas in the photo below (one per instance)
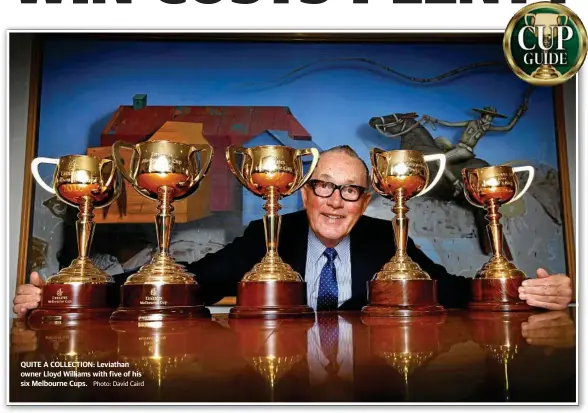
(315, 93)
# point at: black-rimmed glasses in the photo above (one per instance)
(325, 189)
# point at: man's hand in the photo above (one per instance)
(22, 339)
(28, 296)
(553, 292)
(553, 328)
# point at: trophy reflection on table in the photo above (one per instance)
(406, 344)
(156, 348)
(499, 335)
(272, 347)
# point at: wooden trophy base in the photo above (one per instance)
(271, 300)
(159, 302)
(402, 298)
(68, 305)
(498, 294)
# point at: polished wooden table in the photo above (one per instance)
(460, 357)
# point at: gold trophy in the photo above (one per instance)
(167, 172)
(548, 21)
(495, 286)
(81, 290)
(402, 288)
(272, 289)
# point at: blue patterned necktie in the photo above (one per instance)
(328, 295)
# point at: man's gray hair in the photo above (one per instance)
(351, 152)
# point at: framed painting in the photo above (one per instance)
(302, 90)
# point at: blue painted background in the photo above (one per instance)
(84, 82)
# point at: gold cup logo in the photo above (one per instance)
(545, 44)
(166, 172)
(86, 183)
(271, 172)
(401, 175)
(551, 30)
(490, 188)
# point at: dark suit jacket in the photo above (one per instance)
(372, 245)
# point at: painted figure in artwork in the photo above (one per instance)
(474, 130)
(413, 135)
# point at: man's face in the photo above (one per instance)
(332, 218)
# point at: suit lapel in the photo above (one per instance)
(294, 241)
(359, 271)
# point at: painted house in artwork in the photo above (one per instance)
(220, 126)
(252, 204)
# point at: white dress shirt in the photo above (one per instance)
(316, 260)
(317, 361)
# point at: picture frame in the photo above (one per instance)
(38, 78)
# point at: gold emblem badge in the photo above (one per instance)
(545, 44)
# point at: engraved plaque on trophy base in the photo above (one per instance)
(271, 300)
(402, 298)
(498, 294)
(165, 302)
(71, 304)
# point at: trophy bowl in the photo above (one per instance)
(401, 287)
(495, 286)
(165, 172)
(271, 289)
(80, 291)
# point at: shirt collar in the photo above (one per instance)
(316, 248)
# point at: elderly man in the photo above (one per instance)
(332, 233)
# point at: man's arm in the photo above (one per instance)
(219, 272)
(453, 291)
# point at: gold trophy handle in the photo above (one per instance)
(230, 153)
(470, 200)
(530, 16)
(374, 158)
(207, 152)
(108, 182)
(375, 183)
(442, 161)
(465, 189)
(564, 18)
(119, 164)
(35, 170)
(531, 172)
(299, 154)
